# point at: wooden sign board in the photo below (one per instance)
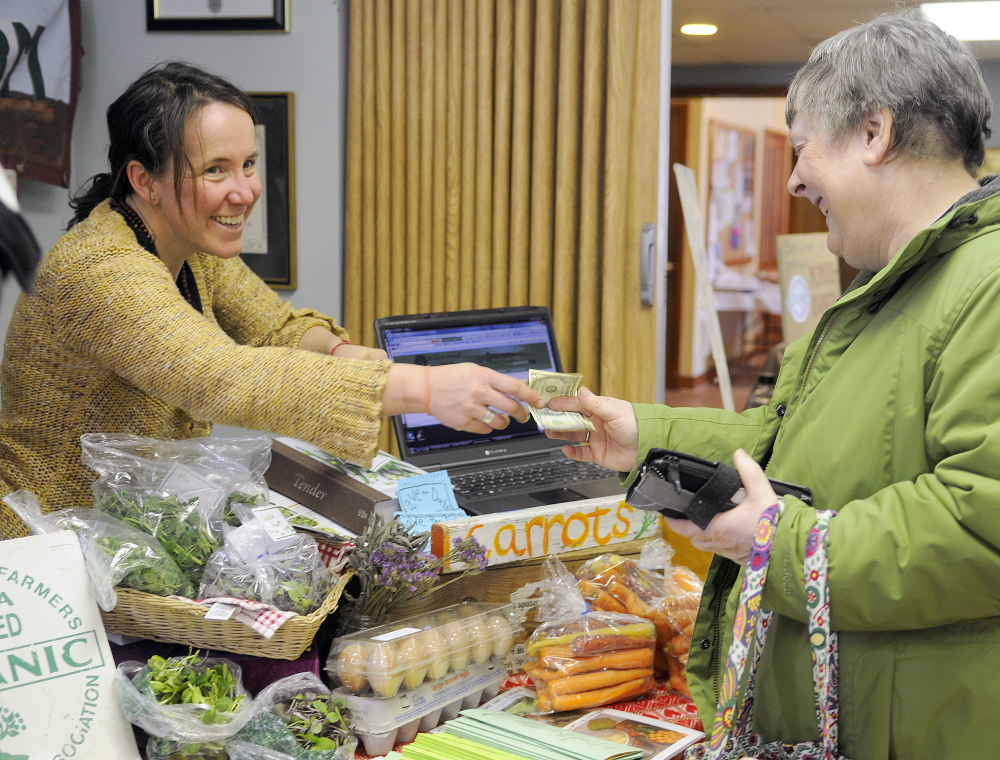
(57, 691)
(541, 531)
(810, 282)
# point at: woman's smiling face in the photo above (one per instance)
(219, 190)
(831, 175)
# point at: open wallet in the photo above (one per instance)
(691, 488)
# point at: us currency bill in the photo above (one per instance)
(549, 384)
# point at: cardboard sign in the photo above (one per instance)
(540, 531)
(810, 282)
(57, 693)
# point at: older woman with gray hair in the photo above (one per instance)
(889, 411)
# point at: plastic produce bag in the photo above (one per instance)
(586, 659)
(115, 553)
(296, 719)
(220, 705)
(654, 588)
(287, 573)
(177, 491)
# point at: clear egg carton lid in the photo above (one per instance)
(380, 723)
(401, 655)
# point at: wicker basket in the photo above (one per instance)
(178, 621)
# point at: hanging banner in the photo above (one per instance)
(40, 53)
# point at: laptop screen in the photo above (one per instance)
(511, 341)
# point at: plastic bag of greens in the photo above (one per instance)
(187, 700)
(297, 718)
(115, 553)
(287, 573)
(177, 491)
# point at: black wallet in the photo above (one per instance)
(691, 488)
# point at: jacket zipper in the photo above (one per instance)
(718, 662)
(815, 353)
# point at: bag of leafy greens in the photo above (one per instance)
(297, 718)
(179, 492)
(115, 553)
(287, 573)
(184, 701)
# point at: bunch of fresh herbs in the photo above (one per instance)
(318, 721)
(190, 681)
(143, 566)
(394, 566)
(178, 524)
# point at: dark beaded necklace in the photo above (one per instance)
(185, 279)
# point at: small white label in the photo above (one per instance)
(220, 611)
(400, 632)
(186, 484)
(274, 522)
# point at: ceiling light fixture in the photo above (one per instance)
(700, 30)
(966, 20)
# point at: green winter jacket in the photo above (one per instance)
(890, 413)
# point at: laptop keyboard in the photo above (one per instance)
(518, 477)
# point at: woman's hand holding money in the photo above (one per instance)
(613, 443)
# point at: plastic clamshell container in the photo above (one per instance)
(381, 722)
(397, 657)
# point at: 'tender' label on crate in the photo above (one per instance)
(57, 694)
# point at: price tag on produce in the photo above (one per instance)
(220, 611)
(274, 522)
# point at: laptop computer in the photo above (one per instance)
(513, 468)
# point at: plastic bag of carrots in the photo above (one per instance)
(652, 588)
(586, 659)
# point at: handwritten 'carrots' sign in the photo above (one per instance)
(527, 533)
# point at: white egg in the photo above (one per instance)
(435, 652)
(479, 637)
(458, 643)
(502, 633)
(383, 670)
(413, 662)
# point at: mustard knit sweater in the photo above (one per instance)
(106, 344)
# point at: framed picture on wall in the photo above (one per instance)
(269, 233)
(217, 15)
(731, 236)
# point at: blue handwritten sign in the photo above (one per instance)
(427, 499)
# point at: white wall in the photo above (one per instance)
(310, 60)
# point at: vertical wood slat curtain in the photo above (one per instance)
(501, 153)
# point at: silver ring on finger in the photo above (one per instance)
(490, 416)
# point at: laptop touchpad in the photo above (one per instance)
(556, 496)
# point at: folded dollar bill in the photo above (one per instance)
(549, 384)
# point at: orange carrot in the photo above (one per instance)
(539, 673)
(544, 700)
(599, 598)
(562, 650)
(597, 697)
(596, 680)
(621, 660)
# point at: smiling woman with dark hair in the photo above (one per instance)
(889, 411)
(144, 320)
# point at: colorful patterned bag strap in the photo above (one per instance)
(821, 638)
(743, 629)
(751, 621)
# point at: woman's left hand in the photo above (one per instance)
(731, 533)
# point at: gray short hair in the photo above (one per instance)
(929, 81)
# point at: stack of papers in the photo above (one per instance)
(510, 734)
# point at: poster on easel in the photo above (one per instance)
(810, 282)
(731, 237)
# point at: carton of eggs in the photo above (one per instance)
(401, 655)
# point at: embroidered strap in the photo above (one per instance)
(752, 622)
